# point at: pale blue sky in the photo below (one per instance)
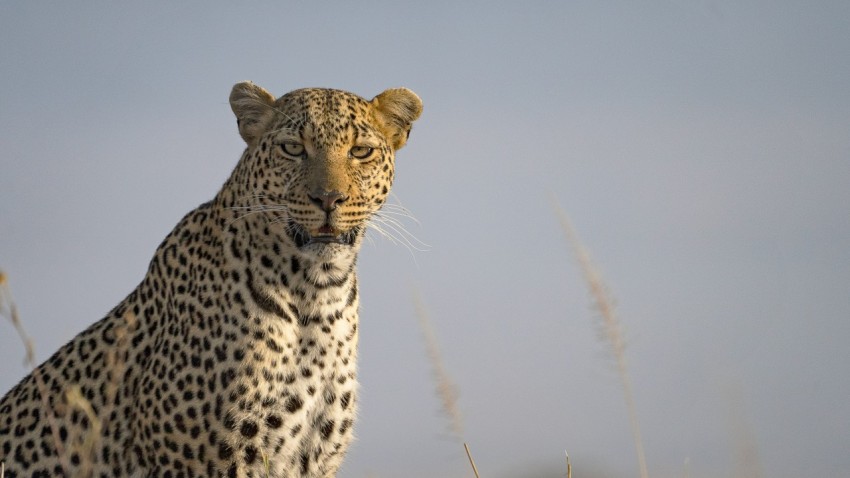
(702, 149)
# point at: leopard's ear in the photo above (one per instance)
(396, 109)
(253, 107)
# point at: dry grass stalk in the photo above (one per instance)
(87, 448)
(8, 305)
(611, 330)
(569, 465)
(115, 364)
(471, 461)
(446, 389)
(747, 461)
(73, 397)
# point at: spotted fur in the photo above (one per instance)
(236, 355)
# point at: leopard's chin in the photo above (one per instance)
(325, 236)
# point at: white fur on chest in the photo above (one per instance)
(297, 379)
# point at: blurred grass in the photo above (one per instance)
(445, 388)
(8, 308)
(72, 400)
(612, 331)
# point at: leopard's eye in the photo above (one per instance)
(296, 150)
(361, 152)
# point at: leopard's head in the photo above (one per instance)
(319, 162)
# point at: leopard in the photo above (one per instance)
(236, 354)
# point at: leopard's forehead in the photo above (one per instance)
(326, 113)
(323, 104)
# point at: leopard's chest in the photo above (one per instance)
(292, 399)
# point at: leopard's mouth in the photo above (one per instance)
(324, 235)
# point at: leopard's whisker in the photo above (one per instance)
(373, 225)
(257, 209)
(404, 213)
(382, 232)
(399, 226)
(396, 211)
(393, 229)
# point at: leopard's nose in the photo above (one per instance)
(327, 200)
